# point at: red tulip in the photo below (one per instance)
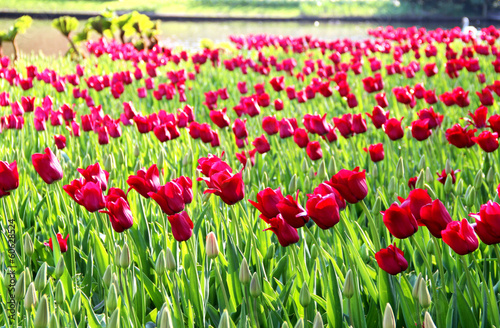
(278, 83)
(187, 188)
(460, 96)
(420, 129)
(381, 100)
(120, 214)
(460, 137)
(9, 177)
(314, 151)
(416, 199)
(344, 125)
(433, 119)
(485, 97)
(267, 201)
(145, 182)
(488, 223)
(479, 117)
(60, 141)
(301, 138)
(358, 124)
(443, 176)
(94, 173)
(494, 123)
(292, 212)
(379, 116)
(350, 184)
(90, 196)
(270, 125)
(169, 197)
(487, 141)
(285, 233)
(244, 156)
(316, 124)
(261, 144)
(220, 118)
(47, 166)
(278, 104)
(182, 226)
(435, 217)
(376, 152)
(323, 210)
(460, 236)
(240, 129)
(400, 221)
(211, 165)
(412, 183)
(230, 188)
(391, 260)
(393, 129)
(286, 128)
(63, 243)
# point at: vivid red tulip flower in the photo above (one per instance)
(301, 138)
(316, 124)
(261, 144)
(351, 100)
(460, 236)
(94, 173)
(393, 129)
(120, 214)
(487, 225)
(267, 201)
(443, 176)
(114, 194)
(244, 156)
(47, 166)
(378, 116)
(220, 118)
(494, 123)
(485, 97)
(181, 225)
(376, 152)
(145, 181)
(403, 95)
(211, 165)
(420, 129)
(391, 260)
(278, 104)
(325, 189)
(169, 197)
(60, 141)
(419, 90)
(206, 134)
(479, 117)
(416, 199)
(430, 97)
(381, 100)
(435, 217)
(240, 129)
(28, 104)
(63, 243)
(270, 125)
(400, 221)
(323, 210)
(433, 119)
(412, 183)
(292, 212)
(286, 234)
(487, 141)
(89, 196)
(460, 137)
(230, 188)
(461, 97)
(344, 125)
(242, 87)
(286, 128)
(358, 124)
(350, 184)
(313, 150)
(9, 177)
(430, 69)
(187, 188)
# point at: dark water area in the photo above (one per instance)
(43, 38)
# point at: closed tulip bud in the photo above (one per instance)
(27, 277)
(332, 166)
(60, 266)
(421, 163)
(112, 300)
(161, 265)
(448, 185)
(28, 245)
(470, 197)
(348, 290)
(60, 293)
(212, 247)
(375, 171)
(478, 180)
(118, 253)
(314, 252)
(322, 175)
(137, 150)
(108, 163)
(42, 313)
(284, 325)
(106, 278)
(391, 189)
(312, 173)
(292, 186)
(165, 318)
(299, 324)
(447, 167)
(76, 303)
(245, 274)
(125, 257)
(305, 295)
(420, 180)
(400, 169)
(424, 298)
(121, 157)
(389, 320)
(224, 320)
(41, 277)
(114, 321)
(270, 252)
(414, 291)
(365, 254)
(430, 247)
(30, 297)
(318, 321)
(255, 289)
(20, 288)
(169, 259)
(53, 322)
(460, 187)
(307, 183)
(304, 167)
(161, 160)
(428, 175)
(86, 161)
(428, 323)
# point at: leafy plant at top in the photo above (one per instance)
(20, 26)
(66, 25)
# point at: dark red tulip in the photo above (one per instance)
(487, 141)
(230, 188)
(47, 166)
(316, 124)
(169, 197)
(145, 182)
(278, 83)
(60, 141)
(301, 138)
(313, 150)
(412, 183)
(63, 243)
(400, 221)
(240, 129)
(286, 128)
(485, 97)
(278, 104)
(430, 97)
(323, 210)
(351, 100)
(95, 173)
(393, 129)
(181, 225)
(494, 123)
(187, 188)
(325, 189)
(244, 156)
(358, 124)
(261, 144)
(433, 119)
(220, 118)
(460, 236)
(90, 196)
(376, 152)
(344, 125)
(114, 194)
(292, 212)
(460, 137)
(267, 201)
(119, 214)
(416, 199)
(211, 165)
(286, 234)
(270, 125)
(487, 225)
(350, 184)
(461, 97)
(479, 117)
(381, 100)
(378, 116)
(435, 217)
(420, 129)
(391, 260)
(443, 176)
(206, 134)
(9, 177)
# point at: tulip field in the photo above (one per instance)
(271, 181)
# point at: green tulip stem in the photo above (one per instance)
(221, 283)
(439, 260)
(469, 281)
(426, 261)
(373, 227)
